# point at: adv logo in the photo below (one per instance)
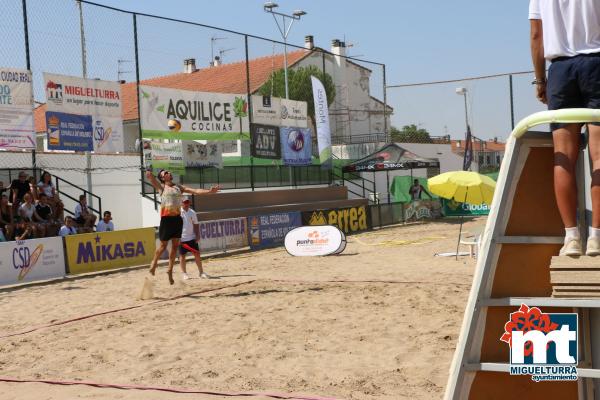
(542, 345)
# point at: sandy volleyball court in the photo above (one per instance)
(378, 322)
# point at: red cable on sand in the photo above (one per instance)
(122, 309)
(204, 291)
(167, 389)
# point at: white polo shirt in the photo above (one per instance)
(189, 220)
(570, 27)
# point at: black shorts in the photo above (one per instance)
(574, 82)
(191, 243)
(80, 220)
(170, 228)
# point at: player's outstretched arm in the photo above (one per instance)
(213, 189)
(153, 181)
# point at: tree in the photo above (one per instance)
(410, 134)
(299, 86)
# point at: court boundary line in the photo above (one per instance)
(281, 396)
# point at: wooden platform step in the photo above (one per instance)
(575, 277)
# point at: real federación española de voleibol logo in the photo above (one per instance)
(542, 345)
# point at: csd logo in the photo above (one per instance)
(21, 257)
(24, 260)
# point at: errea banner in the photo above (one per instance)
(542, 345)
(31, 260)
(70, 97)
(16, 109)
(186, 115)
(100, 251)
(348, 220)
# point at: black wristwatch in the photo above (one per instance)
(539, 81)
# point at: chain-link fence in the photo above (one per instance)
(84, 39)
(439, 113)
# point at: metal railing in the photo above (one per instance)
(565, 116)
(237, 177)
(63, 187)
(359, 139)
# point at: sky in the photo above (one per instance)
(418, 41)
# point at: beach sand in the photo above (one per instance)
(380, 321)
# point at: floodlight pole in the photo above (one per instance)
(284, 30)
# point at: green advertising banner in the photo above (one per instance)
(167, 156)
(185, 115)
(452, 208)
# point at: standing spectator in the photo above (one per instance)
(105, 224)
(567, 33)
(28, 214)
(33, 189)
(68, 228)
(190, 236)
(47, 220)
(46, 186)
(83, 215)
(18, 188)
(6, 217)
(417, 190)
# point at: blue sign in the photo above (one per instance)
(296, 146)
(270, 230)
(69, 131)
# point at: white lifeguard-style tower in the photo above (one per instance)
(523, 233)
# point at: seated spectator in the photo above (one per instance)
(23, 231)
(18, 188)
(3, 189)
(33, 188)
(83, 216)
(47, 220)
(30, 216)
(7, 223)
(68, 228)
(105, 224)
(46, 186)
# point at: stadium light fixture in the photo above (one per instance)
(284, 29)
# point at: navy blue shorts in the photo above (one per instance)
(574, 82)
(191, 243)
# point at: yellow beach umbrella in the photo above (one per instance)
(463, 187)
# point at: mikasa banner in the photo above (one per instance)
(185, 115)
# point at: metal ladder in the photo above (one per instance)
(523, 232)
